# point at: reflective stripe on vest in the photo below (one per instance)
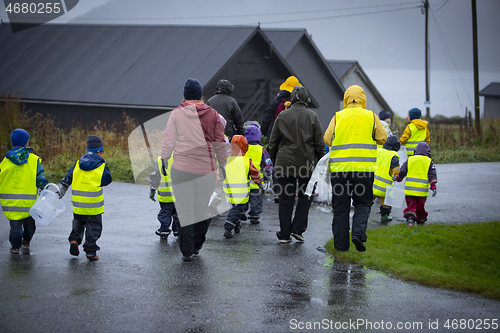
(255, 154)
(18, 190)
(88, 198)
(237, 184)
(353, 148)
(416, 136)
(417, 179)
(382, 177)
(165, 192)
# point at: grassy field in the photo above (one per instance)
(461, 257)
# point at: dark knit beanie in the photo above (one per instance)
(414, 113)
(192, 89)
(94, 144)
(383, 115)
(19, 137)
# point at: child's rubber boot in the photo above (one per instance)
(385, 218)
(410, 222)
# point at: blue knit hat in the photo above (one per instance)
(19, 137)
(414, 113)
(383, 115)
(94, 144)
(192, 89)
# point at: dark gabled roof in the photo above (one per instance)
(114, 64)
(491, 90)
(341, 67)
(285, 40)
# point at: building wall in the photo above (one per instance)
(354, 77)
(253, 65)
(315, 76)
(491, 107)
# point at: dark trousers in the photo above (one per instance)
(358, 187)
(167, 216)
(234, 215)
(192, 195)
(254, 203)
(415, 208)
(91, 225)
(288, 188)
(21, 229)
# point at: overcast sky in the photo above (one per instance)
(385, 36)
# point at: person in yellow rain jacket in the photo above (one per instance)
(240, 171)
(161, 180)
(387, 169)
(21, 173)
(353, 134)
(87, 177)
(416, 131)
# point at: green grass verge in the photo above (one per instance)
(461, 257)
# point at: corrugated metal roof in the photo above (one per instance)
(341, 67)
(492, 89)
(114, 64)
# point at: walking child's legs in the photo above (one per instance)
(93, 232)
(255, 203)
(29, 228)
(78, 228)
(411, 207)
(420, 212)
(165, 216)
(233, 216)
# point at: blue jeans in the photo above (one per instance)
(17, 234)
(167, 216)
(255, 203)
(233, 216)
(92, 226)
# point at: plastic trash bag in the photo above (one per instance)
(321, 173)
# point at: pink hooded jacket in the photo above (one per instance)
(195, 134)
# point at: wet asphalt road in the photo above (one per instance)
(248, 283)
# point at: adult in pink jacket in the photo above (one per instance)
(195, 136)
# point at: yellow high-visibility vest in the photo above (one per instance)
(417, 179)
(237, 183)
(416, 136)
(165, 193)
(255, 154)
(353, 148)
(88, 198)
(18, 190)
(382, 177)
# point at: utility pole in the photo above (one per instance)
(476, 71)
(427, 94)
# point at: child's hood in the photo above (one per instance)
(253, 134)
(421, 124)
(392, 143)
(90, 161)
(423, 149)
(239, 145)
(19, 155)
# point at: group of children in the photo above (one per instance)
(22, 174)
(247, 166)
(419, 170)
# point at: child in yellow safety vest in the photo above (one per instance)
(416, 131)
(87, 177)
(420, 173)
(21, 174)
(260, 158)
(239, 172)
(387, 170)
(161, 180)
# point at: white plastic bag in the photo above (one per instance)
(321, 173)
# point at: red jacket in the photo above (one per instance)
(195, 134)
